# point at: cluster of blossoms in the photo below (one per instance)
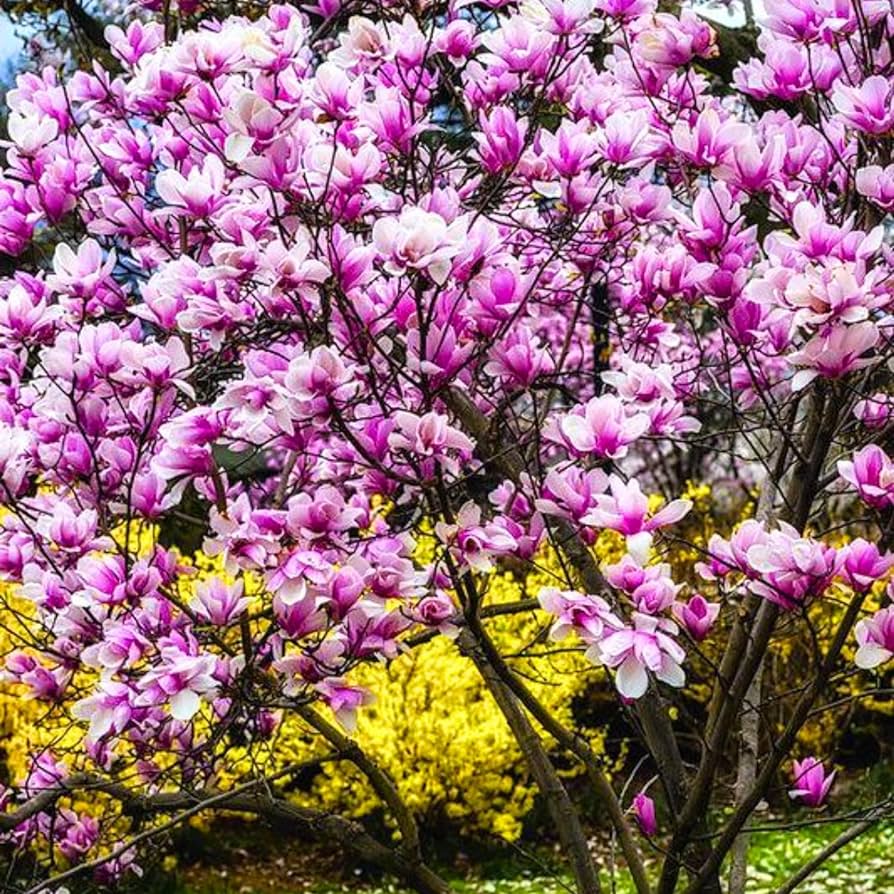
(291, 266)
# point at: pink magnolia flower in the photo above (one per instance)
(834, 354)
(571, 493)
(456, 40)
(498, 297)
(572, 149)
(520, 45)
(113, 871)
(300, 573)
(44, 683)
(319, 380)
(650, 588)
(344, 700)
(15, 459)
(76, 834)
(442, 354)
(519, 358)
(219, 603)
(875, 638)
(325, 513)
(179, 681)
(139, 39)
(199, 193)
(811, 782)
(80, 271)
(430, 436)
(472, 543)
(17, 217)
(501, 140)
(634, 652)
(601, 426)
(626, 9)
(709, 138)
(644, 813)
(626, 511)
(419, 240)
(871, 474)
(792, 568)
(832, 293)
(109, 710)
(25, 316)
(588, 616)
(437, 611)
(697, 616)
(875, 411)
(30, 132)
(863, 564)
(121, 646)
(868, 107)
(877, 183)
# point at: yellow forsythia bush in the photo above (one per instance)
(437, 731)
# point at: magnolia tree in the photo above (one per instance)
(370, 300)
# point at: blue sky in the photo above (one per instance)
(9, 43)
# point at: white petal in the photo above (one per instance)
(672, 674)
(640, 546)
(440, 270)
(237, 147)
(184, 705)
(871, 655)
(631, 679)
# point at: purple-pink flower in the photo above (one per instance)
(811, 782)
(875, 639)
(644, 812)
(697, 616)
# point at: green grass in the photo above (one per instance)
(865, 866)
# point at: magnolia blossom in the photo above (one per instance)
(644, 812)
(218, 602)
(811, 782)
(474, 544)
(792, 568)
(179, 682)
(199, 192)
(602, 427)
(109, 710)
(634, 652)
(834, 354)
(588, 616)
(650, 588)
(868, 106)
(875, 411)
(730, 556)
(875, 638)
(863, 564)
(871, 474)
(420, 240)
(697, 615)
(877, 183)
(431, 436)
(626, 510)
(344, 700)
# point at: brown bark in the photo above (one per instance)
(558, 803)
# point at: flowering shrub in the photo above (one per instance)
(376, 307)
